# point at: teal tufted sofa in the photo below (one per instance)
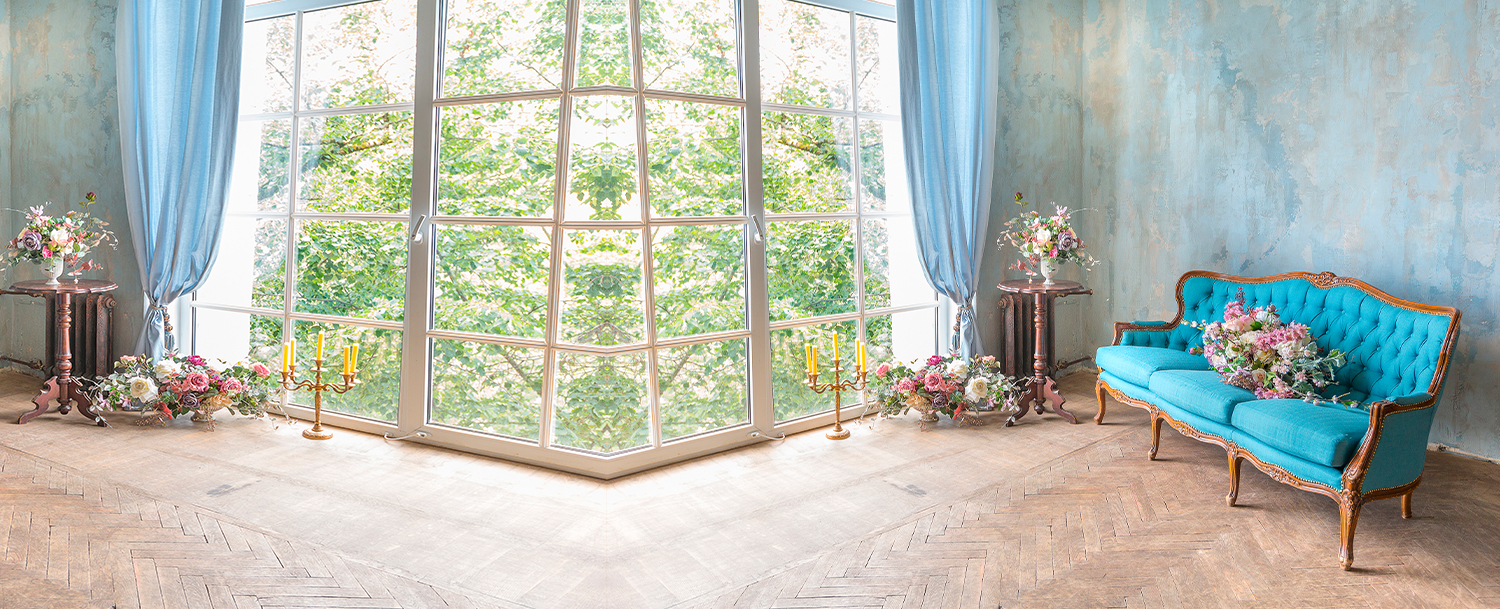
(1397, 355)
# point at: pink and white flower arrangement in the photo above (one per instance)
(176, 385)
(1040, 237)
(1253, 349)
(68, 237)
(950, 385)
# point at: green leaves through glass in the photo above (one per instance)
(489, 388)
(694, 155)
(602, 159)
(356, 163)
(789, 388)
(498, 159)
(602, 404)
(810, 269)
(603, 303)
(352, 269)
(503, 46)
(690, 46)
(702, 388)
(344, 65)
(699, 279)
(604, 43)
(804, 55)
(808, 167)
(492, 280)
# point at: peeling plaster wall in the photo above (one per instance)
(62, 142)
(1038, 152)
(1260, 136)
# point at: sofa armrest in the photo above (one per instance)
(1394, 450)
(1143, 333)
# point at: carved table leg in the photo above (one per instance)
(1025, 402)
(1049, 393)
(1234, 478)
(85, 404)
(43, 401)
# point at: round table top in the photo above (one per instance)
(1035, 286)
(64, 286)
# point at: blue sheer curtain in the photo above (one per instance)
(179, 88)
(949, 58)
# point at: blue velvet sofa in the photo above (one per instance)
(1397, 353)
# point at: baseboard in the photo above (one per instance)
(1444, 448)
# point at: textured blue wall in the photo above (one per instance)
(62, 141)
(1256, 137)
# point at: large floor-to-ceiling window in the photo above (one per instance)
(590, 234)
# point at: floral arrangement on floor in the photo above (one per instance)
(1044, 241)
(176, 385)
(949, 385)
(60, 240)
(1255, 350)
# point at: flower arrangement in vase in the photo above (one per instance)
(175, 385)
(952, 385)
(1255, 350)
(1045, 241)
(60, 243)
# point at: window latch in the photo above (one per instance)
(416, 231)
(760, 231)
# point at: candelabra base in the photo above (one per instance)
(317, 433)
(837, 434)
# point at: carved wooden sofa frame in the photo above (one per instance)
(1353, 495)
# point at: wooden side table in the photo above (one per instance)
(63, 387)
(1041, 387)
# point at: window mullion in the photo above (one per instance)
(762, 410)
(559, 210)
(643, 193)
(416, 360)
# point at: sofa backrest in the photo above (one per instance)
(1394, 347)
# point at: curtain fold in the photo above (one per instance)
(179, 82)
(949, 65)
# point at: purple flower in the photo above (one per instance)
(189, 402)
(31, 240)
(1067, 241)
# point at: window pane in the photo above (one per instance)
(261, 161)
(702, 388)
(807, 163)
(379, 377)
(882, 163)
(694, 157)
(489, 388)
(493, 280)
(810, 269)
(359, 55)
(352, 269)
(267, 66)
(604, 43)
(699, 274)
(689, 45)
(902, 337)
(602, 299)
(893, 269)
(879, 82)
(250, 269)
(804, 54)
(602, 166)
(499, 159)
(231, 337)
(602, 404)
(789, 388)
(500, 46)
(356, 163)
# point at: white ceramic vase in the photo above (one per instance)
(1049, 268)
(53, 268)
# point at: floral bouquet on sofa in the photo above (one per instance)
(943, 385)
(1255, 350)
(176, 385)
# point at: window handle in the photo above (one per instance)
(416, 231)
(760, 231)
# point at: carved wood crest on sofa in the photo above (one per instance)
(1397, 355)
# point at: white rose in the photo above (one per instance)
(167, 368)
(958, 368)
(1043, 236)
(141, 388)
(61, 235)
(977, 390)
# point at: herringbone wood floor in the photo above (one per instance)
(1104, 527)
(74, 541)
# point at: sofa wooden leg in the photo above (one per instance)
(1155, 435)
(1234, 478)
(1406, 504)
(1099, 392)
(1348, 519)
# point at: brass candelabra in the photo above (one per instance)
(317, 386)
(838, 387)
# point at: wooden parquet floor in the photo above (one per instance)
(1104, 527)
(69, 540)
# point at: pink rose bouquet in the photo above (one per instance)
(176, 385)
(951, 385)
(1256, 350)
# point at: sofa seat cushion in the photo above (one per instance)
(1201, 392)
(1137, 364)
(1321, 434)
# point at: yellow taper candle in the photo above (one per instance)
(807, 361)
(859, 348)
(320, 346)
(292, 351)
(815, 359)
(835, 350)
(354, 360)
(286, 356)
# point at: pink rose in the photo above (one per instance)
(882, 370)
(261, 370)
(196, 381)
(232, 384)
